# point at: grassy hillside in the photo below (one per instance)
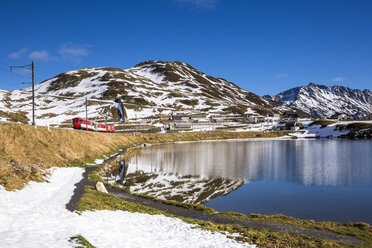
(26, 151)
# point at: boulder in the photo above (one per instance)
(101, 187)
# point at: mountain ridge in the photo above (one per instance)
(149, 88)
(326, 101)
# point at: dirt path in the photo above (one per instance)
(80, 186)
(180, 211)
(184, 212)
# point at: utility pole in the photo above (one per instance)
(29, 67)
(106, 122)
(33, 94)
(86, 113)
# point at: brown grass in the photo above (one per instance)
(26, 151)
(322, 122)
(47, 115)
(19, 116)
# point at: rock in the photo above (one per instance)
(101, 187)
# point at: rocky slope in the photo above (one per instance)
(326, 101)
(150, 86)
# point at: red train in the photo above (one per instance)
(79, 123)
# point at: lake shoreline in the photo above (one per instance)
(264, 236)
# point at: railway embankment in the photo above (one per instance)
(26, 151)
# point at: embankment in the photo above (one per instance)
(26, 151)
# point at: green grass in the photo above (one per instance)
(363, 231)
(201, 208)
(359, 125)
(95, 200)
(83, 243)
(87, 162)
(357, 130)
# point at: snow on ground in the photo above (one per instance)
(328, 131)
(36, 217)
(319, 131)
(324, 132)
(303, 134)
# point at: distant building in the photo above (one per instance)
(296, 116)
(255, 119)
(165, 117)
(280, 127)
(196, 126)
(288, 125)
(181, 117)
(199, 117)
(178, 125)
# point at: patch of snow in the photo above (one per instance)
(36, 216)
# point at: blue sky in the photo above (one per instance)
(262, 46)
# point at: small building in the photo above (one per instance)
(255, 119)
(178, 125)
(205, 126)
(181, 117)
(296, 116)
(281, 126)
(288, 125)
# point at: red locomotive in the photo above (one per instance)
(79, 123)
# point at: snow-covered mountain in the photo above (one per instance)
(326, 101)
(150, 86)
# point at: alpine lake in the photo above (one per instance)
(318, 179)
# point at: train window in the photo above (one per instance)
(80, 121)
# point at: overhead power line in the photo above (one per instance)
(32, 68)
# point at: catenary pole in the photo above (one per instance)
(33, 93)
(33, 85)
(86, 113)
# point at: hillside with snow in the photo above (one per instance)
(149, 88)
(326, 101)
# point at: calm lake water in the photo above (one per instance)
(310, 179)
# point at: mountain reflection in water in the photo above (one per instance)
(307, 162)
(309, 179)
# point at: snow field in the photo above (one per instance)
(36, 217)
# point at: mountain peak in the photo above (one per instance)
(325, 101)
(150, 88)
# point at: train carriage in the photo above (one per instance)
(79, 123)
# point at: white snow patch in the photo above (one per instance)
(36, 217)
